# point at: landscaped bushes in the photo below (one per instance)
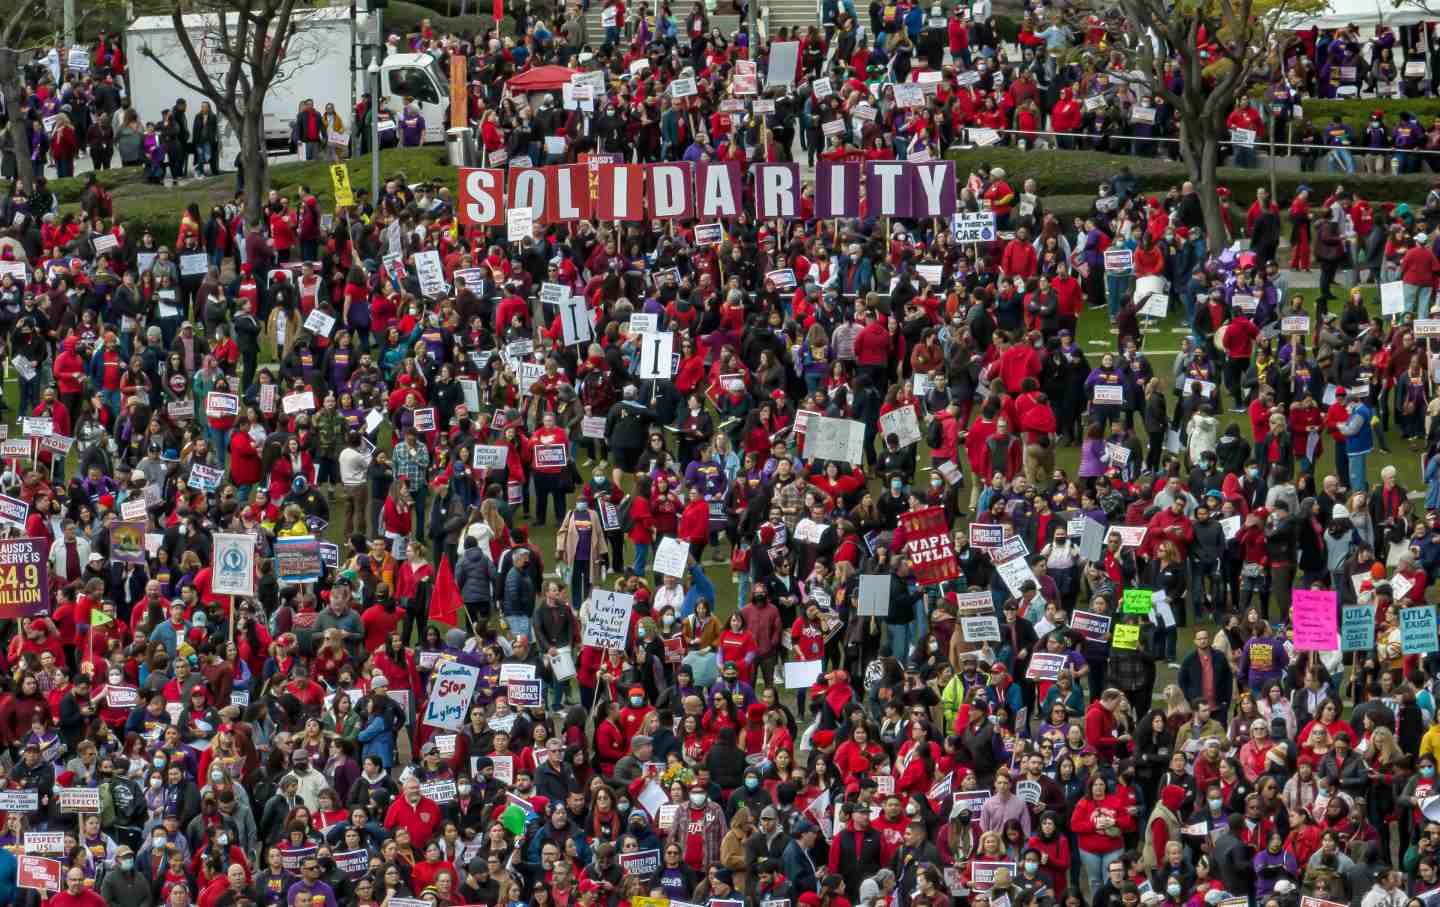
(1080, 173)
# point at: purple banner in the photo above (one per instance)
(777, 190)
(24, 578)
(932, 189)
(887, 188)
(717, 190)
(837, 189)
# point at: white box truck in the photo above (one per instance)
(317, 66)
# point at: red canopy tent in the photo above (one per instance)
(541, 78)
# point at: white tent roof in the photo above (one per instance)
(1364, 13)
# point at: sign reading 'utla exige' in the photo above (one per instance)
(706, 191)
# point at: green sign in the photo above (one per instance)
(1138, 601)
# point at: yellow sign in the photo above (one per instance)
(649, 902)
(1127, 636)
(340, 179)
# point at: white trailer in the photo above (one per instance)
(316, 66)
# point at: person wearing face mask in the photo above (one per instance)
(582, 548)
(751, 795)
(699, 829)
(123, 885)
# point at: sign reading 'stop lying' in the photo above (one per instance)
(706, 190)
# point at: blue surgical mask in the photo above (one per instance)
(1216, 803)
(1427, 771)
(752, 783)
(1173, 889)
(896, 487)
(1032, 867)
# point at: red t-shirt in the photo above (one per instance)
(695, 838)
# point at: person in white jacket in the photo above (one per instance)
(68, 554)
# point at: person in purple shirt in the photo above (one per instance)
(412, 127)
(310, 891)
(1264, 659)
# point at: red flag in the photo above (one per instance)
(499, 11)
(445, 600)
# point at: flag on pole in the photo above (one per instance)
(445, 600)
(99, 618)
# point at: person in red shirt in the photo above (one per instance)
(1239, 342)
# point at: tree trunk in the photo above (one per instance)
(256, 163)
(1200, 149)
(1208, 186)
(9, 89)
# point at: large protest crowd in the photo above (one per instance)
(700, 534)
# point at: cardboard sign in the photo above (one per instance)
(303, 402)
(607, 625)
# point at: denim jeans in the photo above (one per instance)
(902, 640)
(642, 557)
(1417, 299)
(1095, 872)
(1117, 287)
(519, 625)
(1357, 470)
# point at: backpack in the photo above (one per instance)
(129, 802)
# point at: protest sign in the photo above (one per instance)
(1313, 617)
(452, 684)
(1357, 628)
(24, 577)
(607, 625)
(1417, 630)
(929, 546)
(234, 564)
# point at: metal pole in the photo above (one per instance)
(69, 24)
(1273, 194)
(375, 111)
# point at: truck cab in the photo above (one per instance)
(417, 77)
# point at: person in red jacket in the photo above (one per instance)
(1336, 415)
(245, 465)
(1020, 258)
(1239, 342)
(69, 370)
(1101, 725)
(872, 352)
(1100, 822)
(282, 232)
(416, 813)
(1018, 360)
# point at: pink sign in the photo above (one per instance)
(1315, 619)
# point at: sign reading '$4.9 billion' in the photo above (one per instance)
(24, 578)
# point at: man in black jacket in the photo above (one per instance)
(914, 853)
(855, 852)
(476, 578)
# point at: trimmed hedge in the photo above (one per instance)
(1080, 172)
(158, 208)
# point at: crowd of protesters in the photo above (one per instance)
(767, 732)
